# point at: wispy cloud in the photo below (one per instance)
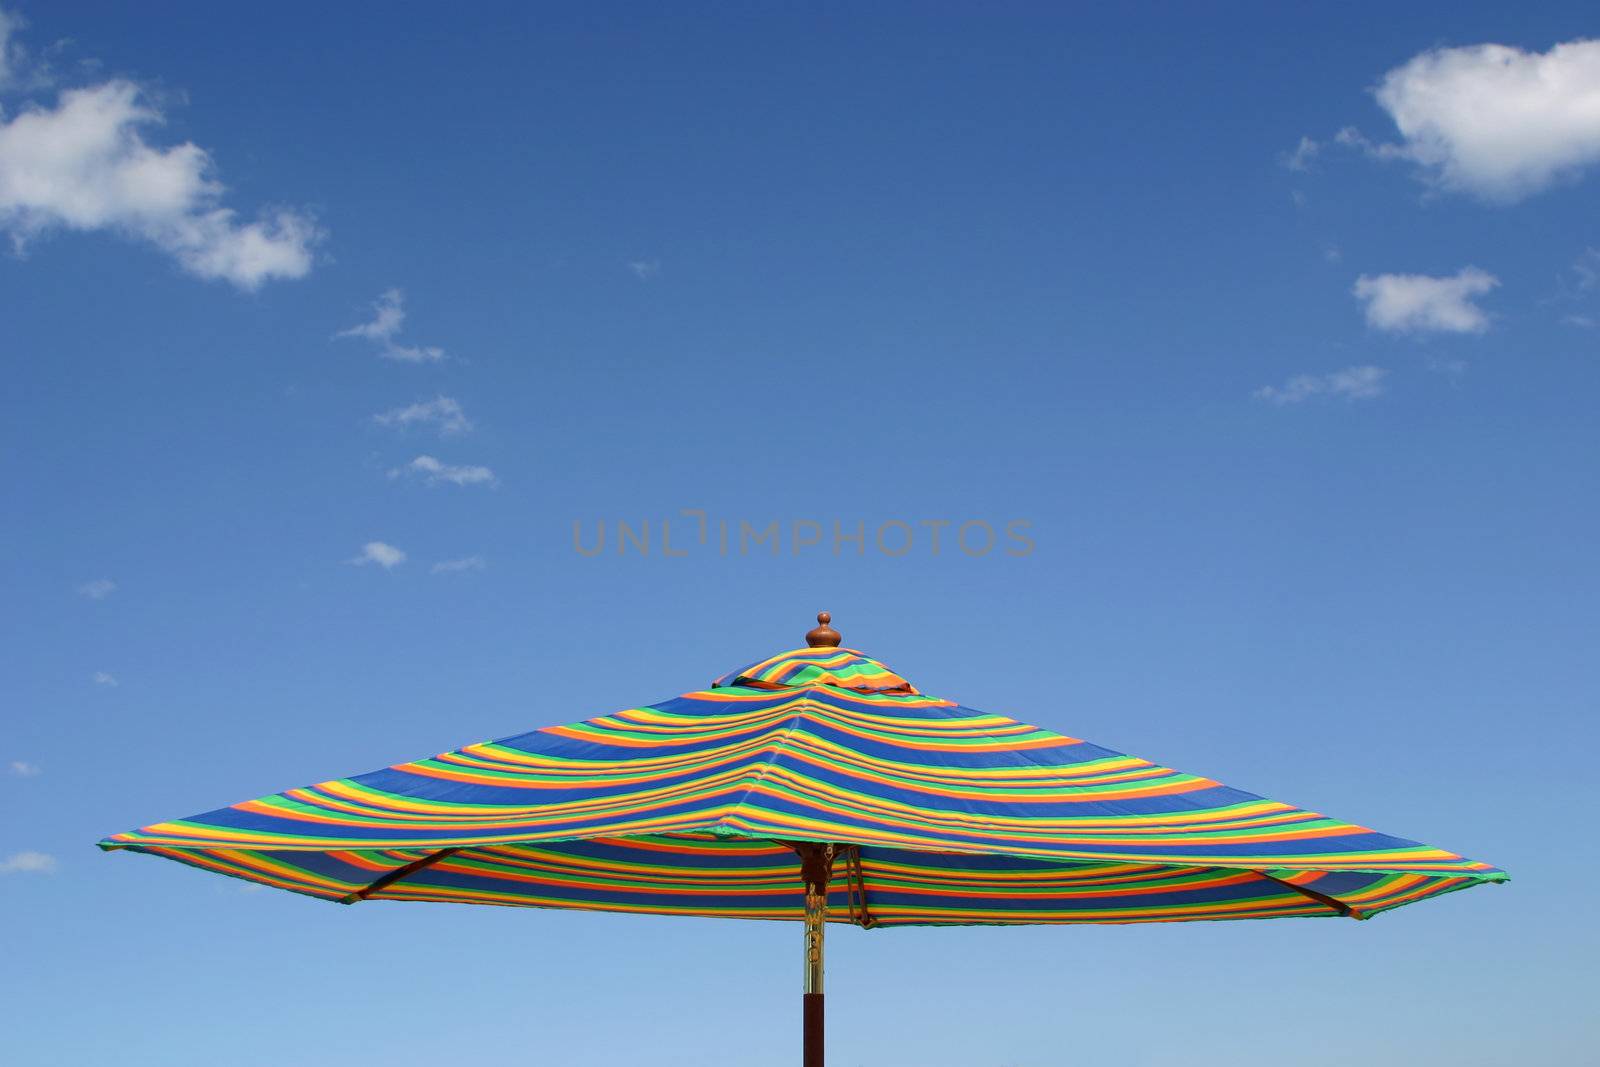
(433, 472)
(98, 589)
(1586, 271)
(84, 165)
(381, 553)
(1303, 155)
(442, 412)
(104, 679)
(1493, 121)
(1579, 291)
(388, 316)
(456, 566)
(1582, 290)
(21, 69)
(24, 769)
(28, 863)
(12, 56)
(1419, 303)
(1351, 383)
(1350, 137)
(645, 269)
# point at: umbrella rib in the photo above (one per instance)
(862, 917)
(398, 873)
(1335, 903)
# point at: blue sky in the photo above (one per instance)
(322, 325)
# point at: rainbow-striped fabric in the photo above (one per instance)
(842, 667)
(942, 815)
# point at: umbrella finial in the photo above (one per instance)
(824, 636)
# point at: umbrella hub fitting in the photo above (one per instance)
(816, 865)
(816, 871)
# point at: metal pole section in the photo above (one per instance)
(816, 868)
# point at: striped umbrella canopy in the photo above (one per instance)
(816, 785)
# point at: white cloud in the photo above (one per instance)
(107, 680)
(645, 269)
(388, 315)
(84, 165)
(441, 411)
(456, 566)
(1351, 383)
(1494, 121)
(98, 589)
(24, 769)
(433, 472)
(28, 863)
(1418, 303)
(384, 555)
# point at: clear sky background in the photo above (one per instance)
(1302, 424)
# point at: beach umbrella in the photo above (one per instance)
(817, 786)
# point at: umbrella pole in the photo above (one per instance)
(816, 868)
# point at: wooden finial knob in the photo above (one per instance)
(824, 636)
